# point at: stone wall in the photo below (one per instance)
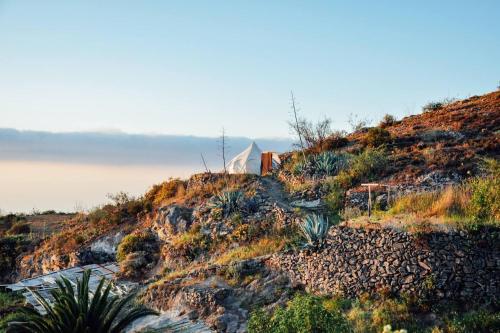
(455, 265)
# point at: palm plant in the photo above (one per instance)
(80, 313)
(315, 228)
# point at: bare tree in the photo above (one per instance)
(295, 125)
(223, 148)
(357, 123)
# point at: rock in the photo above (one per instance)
(172, 220)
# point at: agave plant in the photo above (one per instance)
(329, 163)
(315, 228)
(228, 202)
(80, 313)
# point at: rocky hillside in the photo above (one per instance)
(447, 139)
(218, 248)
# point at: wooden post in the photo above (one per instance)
(369, 201)
(388, 195)
(370, 196)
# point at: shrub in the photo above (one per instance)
(163, 193)
(436, 105)
(10, 248)
(484, 203)
(142, 241)
(335, 195)
(19, 228)
(474, 321)
(314, 228)
(367, 165)
(334, 141)
(227, 202)
(190, 244)
(387, 120)
(376, 137)
(304, 313)
(369, 315)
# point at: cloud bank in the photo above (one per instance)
(123, 149)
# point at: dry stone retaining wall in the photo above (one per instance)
(455, 265)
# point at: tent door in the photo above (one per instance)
(266, 165)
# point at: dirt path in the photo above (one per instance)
(276, 192)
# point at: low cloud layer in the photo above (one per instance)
(123, 149)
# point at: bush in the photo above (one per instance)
(376, 137)
(436, 105)
(142, 241)
(367, 165)
(474, 321)
(19, 228)
(304, 313)
(334, 141)
(484, 203)
(315, 229)
(161, 194)
(190, 244)
(387, 120)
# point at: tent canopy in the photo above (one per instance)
(248, 161)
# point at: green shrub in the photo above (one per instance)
(387, 120)
(436, 105)
(476, 321)
(367, 165)
(304, 313)
(19, 228)
(484, 203)
(377, 137)
(335, 195)
(142, 241)
(190, 244)
(10, 248)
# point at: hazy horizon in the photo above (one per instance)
(71, 171)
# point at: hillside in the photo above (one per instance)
(231, 250)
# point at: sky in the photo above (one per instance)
(102, 96)
(191, 67)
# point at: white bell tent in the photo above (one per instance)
(248, 161)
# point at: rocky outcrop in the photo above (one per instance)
(171, 220)
(457, 265)
(204, 294)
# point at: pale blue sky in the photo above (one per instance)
(189, 67)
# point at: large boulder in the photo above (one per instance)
(172, 220)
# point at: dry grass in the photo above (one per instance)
(259, 248)
(450, 202)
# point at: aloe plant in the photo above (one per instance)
(228, 202)
(315, 229)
